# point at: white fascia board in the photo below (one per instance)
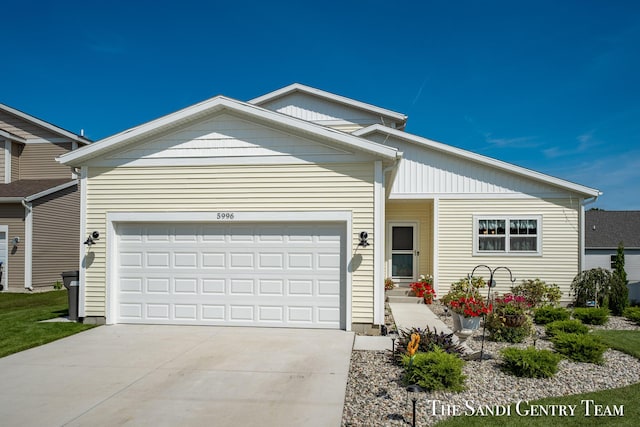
(45, 125)
(48, 191)
(219, 103)
(478, 158)
(12, 137)
(329, 96)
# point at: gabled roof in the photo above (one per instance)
(8, 135)
(478, 158)
(605, 229)
(400, 118)
(32, 189)
(219, 104)
(46, 125)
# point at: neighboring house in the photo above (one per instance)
(252, 213)
(39, 202)
(604, 231)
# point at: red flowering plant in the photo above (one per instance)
(423, 287)
(470, 306)
(510, 304)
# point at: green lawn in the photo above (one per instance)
(20, 316)
(626, 397)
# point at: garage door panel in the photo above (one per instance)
(239, 274)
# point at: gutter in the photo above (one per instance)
(582, 244)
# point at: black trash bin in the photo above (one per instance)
(71, 280)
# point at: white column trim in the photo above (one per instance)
(378, 245)
(436, 256)
(28, 245)
(82, 184)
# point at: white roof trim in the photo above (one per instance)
(220, 103)
(478, 158)
(45, 125)
(48, 191)
(12, 137)
(329, 96)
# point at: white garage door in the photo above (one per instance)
(231, 274)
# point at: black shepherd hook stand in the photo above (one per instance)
(491, 284)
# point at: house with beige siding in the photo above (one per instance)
(39, 202)
(290, 210)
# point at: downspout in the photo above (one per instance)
(582, 230)
(28, 250)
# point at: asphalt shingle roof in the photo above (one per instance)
(605, 229)
(28, 187)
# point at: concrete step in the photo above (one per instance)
(398, 292)
(404, 299)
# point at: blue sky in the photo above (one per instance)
(553, 86)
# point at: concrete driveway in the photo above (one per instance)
(179, 375)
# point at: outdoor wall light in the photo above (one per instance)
(92, 238)
(363, 239)
(15, 241)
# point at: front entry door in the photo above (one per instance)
(404, 252)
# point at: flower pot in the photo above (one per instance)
(461, 322)
(428, 299)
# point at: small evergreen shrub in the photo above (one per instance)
(434, 370)
(591, 315)
(499, 331)
(548, 314)
(579, 347)
(566, 326)
(530, 363)
(429, 341)
(633, 314)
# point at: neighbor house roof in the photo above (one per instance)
(32, 189)
(400, 118)
(606, 229)
(53, 128)
(219, 104)
(478, 158)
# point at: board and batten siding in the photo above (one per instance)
(420, 212)
(56, 218)
(12, 215)
(305, 187)
(558, 263)
(36, 161)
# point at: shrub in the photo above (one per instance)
(602, 286)
(566, 326)
(579, 347)
(537, 292)
(548, 314)
(530, 362)
(429, 341)
(501, 332)
(632, 313)
(434, 370)
(591, 315)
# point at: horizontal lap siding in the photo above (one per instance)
(560, 242)
(346, 187)
(37, 161)
(56, 225)
(12, 215)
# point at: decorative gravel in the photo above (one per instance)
(375, 395)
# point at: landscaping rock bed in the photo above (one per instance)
(375, 395)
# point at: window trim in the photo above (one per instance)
(507, 251)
